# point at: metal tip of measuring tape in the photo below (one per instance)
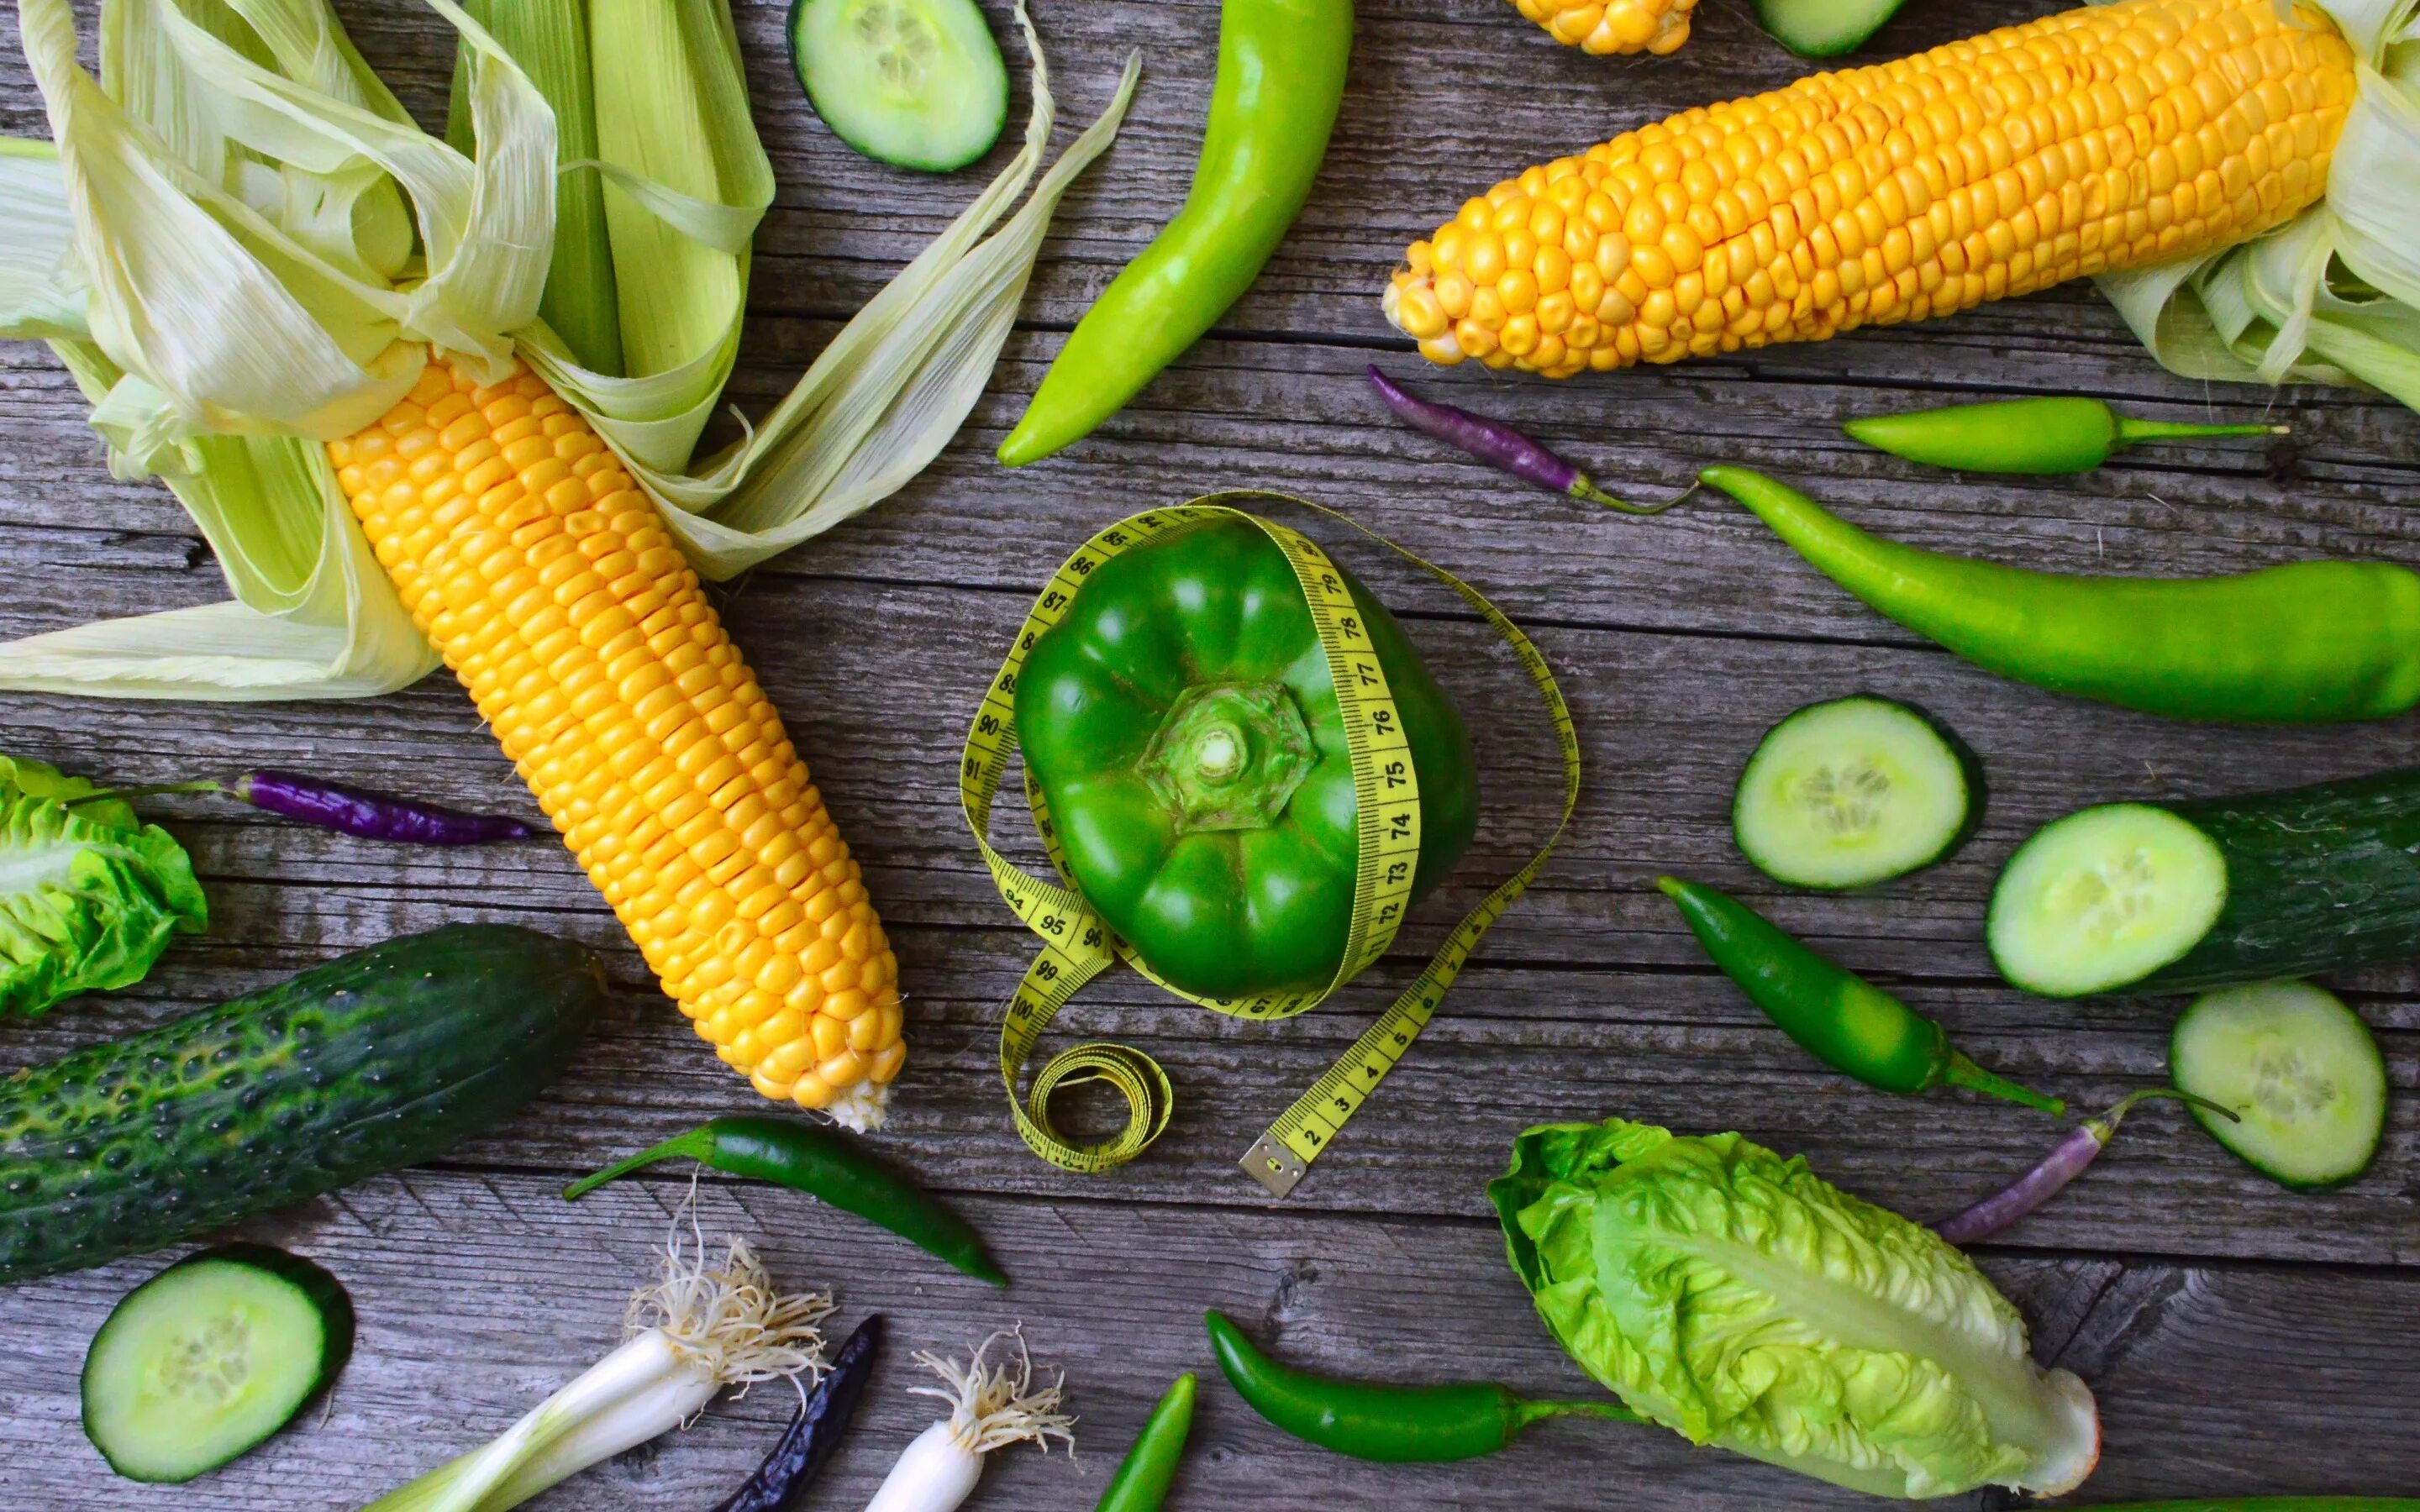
(1273, 1165)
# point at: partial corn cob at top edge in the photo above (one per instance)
(545, 576)
(2110, 137)
(1613, 26)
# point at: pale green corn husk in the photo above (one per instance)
(2333, 295)
(244, 248)
(548, 39)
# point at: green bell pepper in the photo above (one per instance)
(1183, 731)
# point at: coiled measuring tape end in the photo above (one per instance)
(1132, 1074)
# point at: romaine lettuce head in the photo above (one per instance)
(1735, 1297)
(90, 894)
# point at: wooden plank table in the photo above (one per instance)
(2241, 1338)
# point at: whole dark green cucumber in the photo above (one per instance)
(375, 1060)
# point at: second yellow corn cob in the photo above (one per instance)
(1613, 26)
(2111, 137)
(546, 578)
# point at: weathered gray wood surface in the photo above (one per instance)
(2241, 1338)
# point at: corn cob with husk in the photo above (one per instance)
(1613, 26)
(353, 368)
(2098, 140)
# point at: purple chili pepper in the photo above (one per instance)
(2064, 1163)
(1494, 442)
(370, 815)
(814, 1435)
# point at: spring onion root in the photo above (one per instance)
(704, 1326)
(991, 1406)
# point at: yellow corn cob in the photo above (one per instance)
(2110, 137)
(545, 576)
(1603, 26)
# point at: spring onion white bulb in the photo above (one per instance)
(703, 1327)
(991, 1406)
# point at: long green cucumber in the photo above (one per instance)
(373, 1060)
(2307, 880)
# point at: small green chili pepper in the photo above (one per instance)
(1280, 79)
(1392, 1423)
(1837, 1016)
(1142, 1480)
(2307, 643)
(2045, 436)
(822, 1163)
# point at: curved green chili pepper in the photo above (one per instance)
(2308, 643)
(821, 1163)
(1837, 1016)
(1280, 79)
(2043, 436)
(1142, 1480)
(1392, 1423)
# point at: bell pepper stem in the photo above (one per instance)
(1956, 1071)
(1529, 1411)
(698, 1144)
(2130, 431)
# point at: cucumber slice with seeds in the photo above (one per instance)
(209, 1357)
(916, 83)
(2299, 1067)
(1854, 791)
(2103, 898)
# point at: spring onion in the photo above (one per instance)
(703, 1327)
(242, 246)
(991, 1406)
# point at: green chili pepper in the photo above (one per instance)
(2307, 643)
(1392, 1423)
(1182, 725)
(821, 1163)
(1280, 79)
(2045, 436)
(1141, 1482)
(1837, 1016)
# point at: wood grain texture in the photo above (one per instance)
(482, 1292)
(2230, 1326)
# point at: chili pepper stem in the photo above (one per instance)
(2105, 1128)
(2131, 430)
(1584, 488)
(1956, 1071)
(698, 1144)
(1529, 1411)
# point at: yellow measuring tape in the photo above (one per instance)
(1076, 945)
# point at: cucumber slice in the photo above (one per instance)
(916, 83)
(209, 1357)
(2103, 898)
(1823, 28)
(2301, 1070)
(1853, 791)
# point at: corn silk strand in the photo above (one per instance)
(243, 247)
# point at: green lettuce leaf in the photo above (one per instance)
(90, 894)
(1739, 1299)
